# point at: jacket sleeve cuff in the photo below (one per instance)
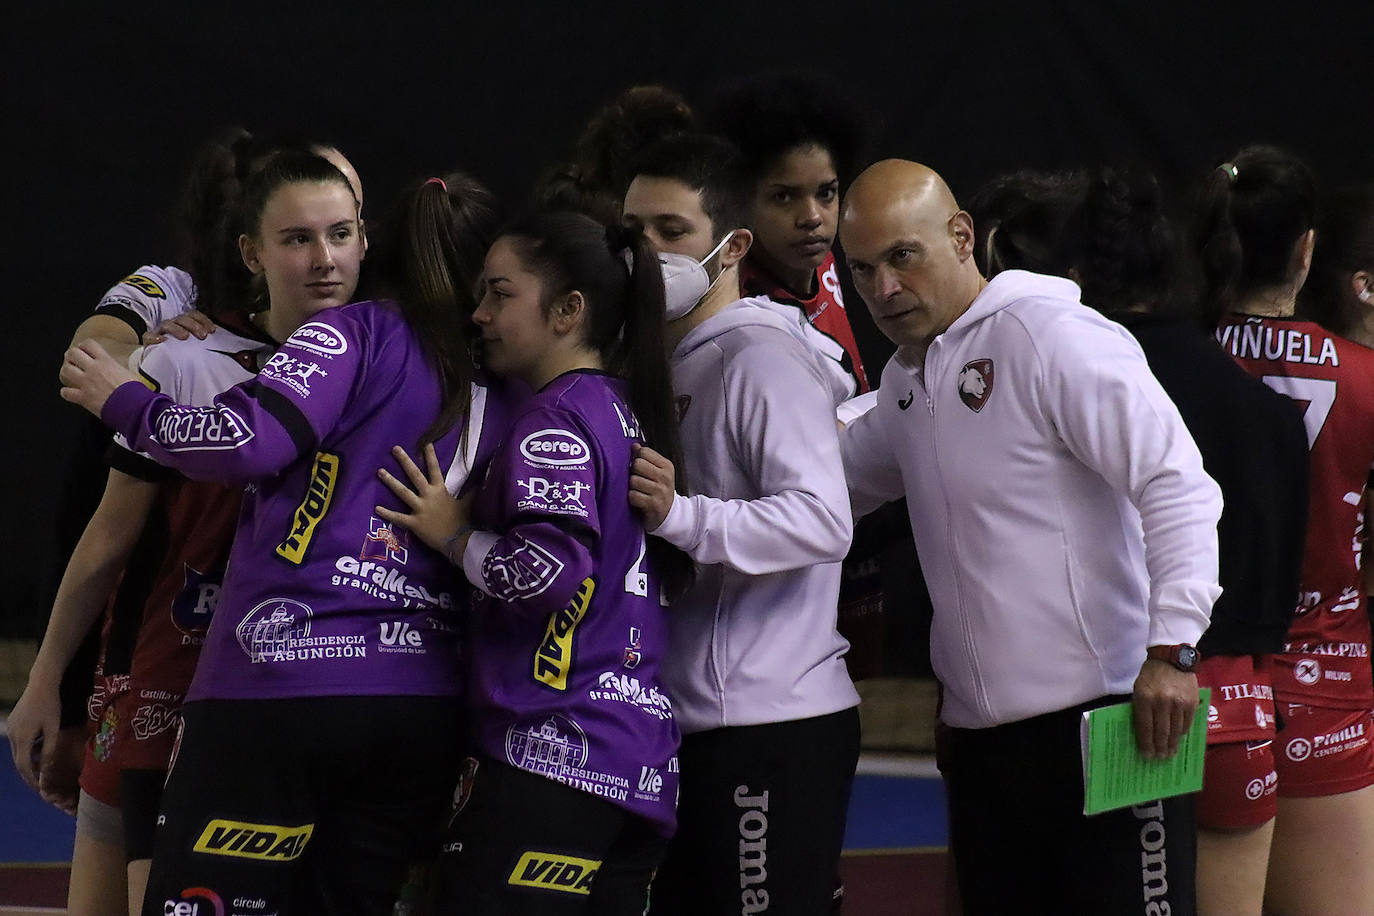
(480, 543)
(680, 526)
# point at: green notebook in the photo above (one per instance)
(1114, 773)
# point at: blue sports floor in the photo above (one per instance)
(894, 842)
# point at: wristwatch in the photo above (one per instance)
(1183, 656)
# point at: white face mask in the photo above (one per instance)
(685, 280)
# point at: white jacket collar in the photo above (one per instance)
(1011, 286)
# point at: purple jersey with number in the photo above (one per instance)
(566, 647)
(321, 597)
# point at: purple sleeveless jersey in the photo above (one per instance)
(321, 597)
(566, 647)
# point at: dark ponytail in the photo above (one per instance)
(624, 324)
(432, 250)
(208, 226)
(1122, 245)
(1252, 211)
(644, 364)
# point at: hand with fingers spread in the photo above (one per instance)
(90, 375)
(652, 486)
(1163, 700)
(181, 327)
(435, 517)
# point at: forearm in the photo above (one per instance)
(235, 439)
(788, 530)
(91, 576)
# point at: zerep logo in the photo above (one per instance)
(319, 338)
(267, 842)
(554, 448)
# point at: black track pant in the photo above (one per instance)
(1022, 844)
(760, 819)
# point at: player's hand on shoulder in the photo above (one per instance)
(181, 327)
(89, 376)
(652, 486)
(434, 515)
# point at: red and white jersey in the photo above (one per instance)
(823, 315)
(149, 296)
(171, 584)
(1326, 657)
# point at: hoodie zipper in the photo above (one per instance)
(966, 629)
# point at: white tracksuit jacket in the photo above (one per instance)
(754, 641)
(1060, 509)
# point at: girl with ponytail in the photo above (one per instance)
(576, 767)
(321, 726)
(1257, 247)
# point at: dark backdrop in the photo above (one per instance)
(104, 105)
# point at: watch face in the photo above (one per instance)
(1187, 657)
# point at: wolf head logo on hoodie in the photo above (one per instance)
(975, 384)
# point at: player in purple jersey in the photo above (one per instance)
(568, 804)
(320, 738)
(151, 557)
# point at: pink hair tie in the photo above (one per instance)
(439, 182)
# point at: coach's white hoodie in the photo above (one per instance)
(768, 523)
(1059, 504)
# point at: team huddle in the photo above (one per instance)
(488, 564)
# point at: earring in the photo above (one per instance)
(1365, 294)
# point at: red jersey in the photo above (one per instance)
(824, 311)
(1326, 656)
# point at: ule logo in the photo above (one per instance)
(975, 384)
(650, 780)
(385, 543)
(188, 903)
(400, 636)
